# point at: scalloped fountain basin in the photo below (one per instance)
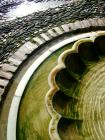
(76, 99)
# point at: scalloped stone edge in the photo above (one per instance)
(55, 117)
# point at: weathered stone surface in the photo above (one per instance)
(71, 26)
(45, 36)
(14, 61)
(101, 22)
(6, 75)
(65, 27)
(3, 82)
(38, 40)
(28, 47)
(77, 25)
(20, 55)
(93, 23)
(86, 23)
(58, 30)
(52, 33)
(9, 68)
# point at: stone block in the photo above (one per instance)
(65, 27)
(52, 33)
(93, 22)
(8, 67)
(101, 22)
(71, 26)
(58, 30)
(45, 36)
(3, 82)
(77, 25)
(28, 47)
(21, 55)
(14, 61)
(38, 40)
(86, 23)
(6, 75)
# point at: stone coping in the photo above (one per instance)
(12, 119)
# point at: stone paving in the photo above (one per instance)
(15, 33)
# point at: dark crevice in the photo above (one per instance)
(70, 129)
(100, 44)
(67, 83)
(75, 65)
(65, 105)
(87, 52)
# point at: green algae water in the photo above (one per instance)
(33, 118)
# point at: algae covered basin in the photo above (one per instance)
(75, 98)
(33, 118)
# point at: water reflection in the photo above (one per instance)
(30, 6)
